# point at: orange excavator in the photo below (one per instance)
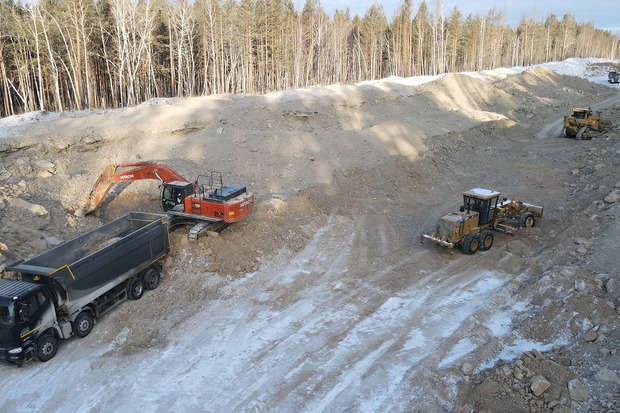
(205, 203)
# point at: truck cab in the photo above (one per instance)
(26, 315)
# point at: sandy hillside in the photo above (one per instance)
(325, 299)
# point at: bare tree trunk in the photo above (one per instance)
(113, 89)
(481, 44)
(70, 67)
(52, 59)
(35, 33)
(82, 36)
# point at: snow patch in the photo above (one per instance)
(517, 348)
(460, 350)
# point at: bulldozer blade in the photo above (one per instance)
(581, 132)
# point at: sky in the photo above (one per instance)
(604, 14)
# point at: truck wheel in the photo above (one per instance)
(527, 220)
(47, 347)
(486, 240)
(470, 244)
(151, 279)
(135, 288)
(83, 324)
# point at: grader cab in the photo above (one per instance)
(470, 227)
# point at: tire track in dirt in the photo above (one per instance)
(330, 341)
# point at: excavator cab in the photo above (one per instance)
(174, 193)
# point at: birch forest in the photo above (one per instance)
(62, 55)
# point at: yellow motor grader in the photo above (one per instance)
(470, 227)
(581, 121)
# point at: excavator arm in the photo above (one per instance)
(128, 172)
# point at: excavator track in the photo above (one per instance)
(200, 226)
(209, 228)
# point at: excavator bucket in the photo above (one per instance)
(100, 190)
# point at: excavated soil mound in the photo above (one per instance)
(460, 91)
(546, 86)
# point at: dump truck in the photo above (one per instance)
(581, 122)
(60, 293)
(482, 211)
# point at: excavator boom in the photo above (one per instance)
(128, 172)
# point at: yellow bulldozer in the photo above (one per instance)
(581, 121)
(482, 211)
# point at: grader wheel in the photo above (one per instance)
(470, 244)
(486, 240)
(527, 220)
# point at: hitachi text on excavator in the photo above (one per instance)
(205, 203)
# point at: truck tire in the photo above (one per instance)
(83, 324)
(151, 279)
(47, 346)
(470, 244)
(135, 288)
(527, 220)
(486, 240)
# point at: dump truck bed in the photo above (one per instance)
(88, 266)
